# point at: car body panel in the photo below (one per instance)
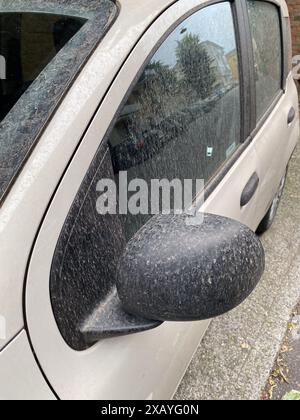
(282, 138)
(21, 377)
(128, 367)
(143, 366)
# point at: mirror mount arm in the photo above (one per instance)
(110, 320)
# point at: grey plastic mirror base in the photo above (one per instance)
(110, 320)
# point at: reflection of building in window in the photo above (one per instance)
(220, 64)
(233, 64)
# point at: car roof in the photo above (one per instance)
(165, 3)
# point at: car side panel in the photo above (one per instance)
(275, 143)
(20, 377)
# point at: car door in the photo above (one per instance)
(176, 110)
(276, 123)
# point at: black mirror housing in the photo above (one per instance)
(177, 270)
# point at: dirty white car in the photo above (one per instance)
(113, 306)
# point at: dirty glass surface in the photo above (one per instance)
(43, 46)
(267, 46)
(28, 42)
(182, 119)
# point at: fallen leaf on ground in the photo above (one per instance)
(292, 396)
(245, 346)
(291, 326)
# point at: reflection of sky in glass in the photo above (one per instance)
(214, 23)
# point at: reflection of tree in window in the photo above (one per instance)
(196, 66)
(155, 98)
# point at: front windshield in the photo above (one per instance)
(43, 47)
(28, 42)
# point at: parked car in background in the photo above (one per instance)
(113, 306)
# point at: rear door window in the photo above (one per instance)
(266, 33)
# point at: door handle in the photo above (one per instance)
(250, 189)
(291, 115)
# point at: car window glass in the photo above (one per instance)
(28, 42)
(182, 118)
(43, 47)
(267, 46)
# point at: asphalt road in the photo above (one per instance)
(237, 354)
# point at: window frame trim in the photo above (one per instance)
(249, 62)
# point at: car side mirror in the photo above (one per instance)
(177, 270)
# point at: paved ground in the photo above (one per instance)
(237, 354)
(285, 377)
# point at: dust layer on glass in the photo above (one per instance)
(43, 46)
(28, 42)
(182, 119)
(78, 8)
(267, 46)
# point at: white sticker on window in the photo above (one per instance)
(209, 151)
